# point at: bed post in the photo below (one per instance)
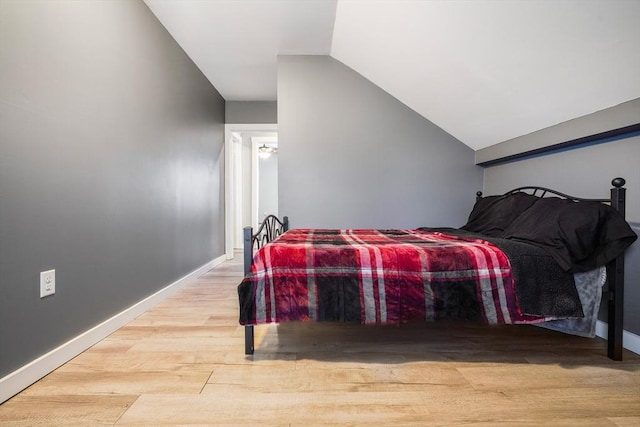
(248, 255)
(615, 274)
(248, 248)
(272, 231)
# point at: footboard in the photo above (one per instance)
(270, 228)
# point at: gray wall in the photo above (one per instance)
(619, 116)
(632, 286)
(111, 167)
(351, 155)
(250, 112)
(585, 172)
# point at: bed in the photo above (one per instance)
(530, 256)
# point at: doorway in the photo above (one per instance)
(244, 182)
(266, 173)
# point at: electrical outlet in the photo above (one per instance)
(47, 283)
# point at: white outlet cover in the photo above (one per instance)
(47, 283)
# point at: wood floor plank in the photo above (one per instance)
(178, 379)
(625, 421)
(64, 409)
(579, 402)
(537, 377)
(228, 407)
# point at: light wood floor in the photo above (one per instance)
(182, 363)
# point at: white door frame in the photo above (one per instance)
(233, 152)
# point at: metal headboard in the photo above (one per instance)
(615, 269)
(617, 183)
(270, 228)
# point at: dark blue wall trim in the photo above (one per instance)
(585, 141)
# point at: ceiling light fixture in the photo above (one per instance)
(264, 151)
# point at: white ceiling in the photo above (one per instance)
(236, 43)
(485, 71)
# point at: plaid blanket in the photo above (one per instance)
(379, 277)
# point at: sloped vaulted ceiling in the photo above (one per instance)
(236, 43)
(489, 71)
(485, 71)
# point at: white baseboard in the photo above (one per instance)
(23, 377)
(630, 341)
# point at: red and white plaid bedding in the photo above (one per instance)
(378, 277)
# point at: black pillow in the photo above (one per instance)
(580, 236)
(493, 214)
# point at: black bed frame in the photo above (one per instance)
(272, 227)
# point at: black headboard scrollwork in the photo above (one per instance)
(270, 228)
(617, 184)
